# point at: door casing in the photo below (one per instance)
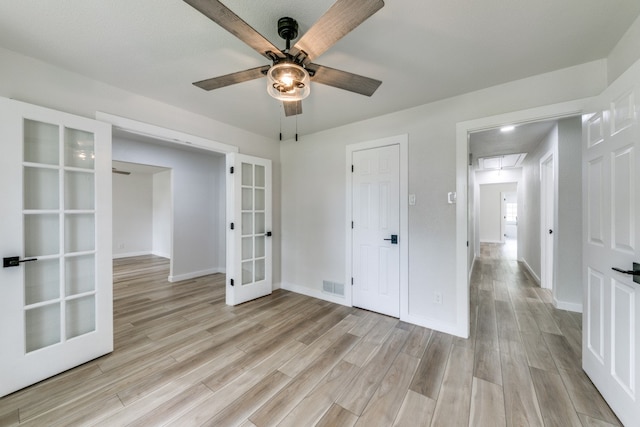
(403, 239)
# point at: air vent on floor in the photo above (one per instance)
(333, 288)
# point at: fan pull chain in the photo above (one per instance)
(280, 115)
(297, 126)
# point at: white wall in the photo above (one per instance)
(490, 211)
(30, 80)
(567, 260)
(625, 53)
(482, 177)
(197, 224)
(162, 215)
(132, 212)
(314, 188)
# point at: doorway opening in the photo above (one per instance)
(566, 119)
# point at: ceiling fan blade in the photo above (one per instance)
(343, 80)
(223, 16)
(339, 20)
(292, 108)
(233, 78)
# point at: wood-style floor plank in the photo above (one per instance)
(416, 411)
(184, 358)
(487, 404)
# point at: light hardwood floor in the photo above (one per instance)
(183, 358)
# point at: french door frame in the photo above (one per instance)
(403, 241)
(174, 137)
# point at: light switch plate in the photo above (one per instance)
(412, 199)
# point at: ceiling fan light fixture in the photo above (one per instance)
(288, 81)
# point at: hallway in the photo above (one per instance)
(528, 350)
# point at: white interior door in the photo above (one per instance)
(547, 209)
(611, 326)
(249, 260)
(55, 240)
(376, 226)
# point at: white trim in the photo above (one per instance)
(195, 274)
(183, 139)
(157, 132)
(403, 142)
(555, 111)
(314, 293)
(530, 271)
(161, 255)
(132, 254)
(569, 306)
(549, 156)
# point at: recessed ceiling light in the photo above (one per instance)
(507, 128)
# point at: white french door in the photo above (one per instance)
(375, 229)
(547, 213)
(611, 199)
(249, 259)
(55, 241)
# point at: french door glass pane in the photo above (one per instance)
(259, 176)
(79, 190)
(247, 174)
(247, 223)
(259, 226)
(247, 272)
(79, 233)
(259, 200)
(81, 316)
(41, 281)
(41, 143)
(247, 199)
(42, 188)
(260, 244)
(41, 234)
(259, 266)
(80, 273)
(42, 325)
(79, 149)
(247, 248)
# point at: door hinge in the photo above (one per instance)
(351, 224)
(231, 169)
(232, 226)
(467, 243)
(352, 168)
(231, 282)
(352, 281)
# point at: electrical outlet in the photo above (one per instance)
(437, 297)
(121, 246)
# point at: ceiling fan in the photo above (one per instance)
(292, 70)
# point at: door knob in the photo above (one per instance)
(14, 261)
(393, 239)
(550, 231)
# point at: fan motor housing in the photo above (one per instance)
(287, 28)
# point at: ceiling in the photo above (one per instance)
(524, 138)
(422, 50)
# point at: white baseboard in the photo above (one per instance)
(569, 306)
(427, 323)
(530, 271)
(313, 293)
(131, 254)
(447, 328)
(194, 274)
(160, 254)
